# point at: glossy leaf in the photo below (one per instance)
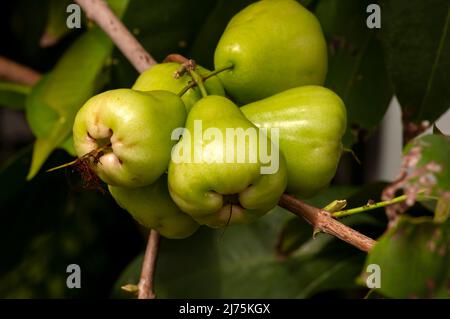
(416, 40)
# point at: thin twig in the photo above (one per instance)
(17, 73)
(322, 220)
(146, 281)
(99, 12)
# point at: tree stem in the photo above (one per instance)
(99, 12)
(146, 281)
(17, 73)
(322, 220)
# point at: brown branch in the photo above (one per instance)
(99, 12)
(17, 73)
(146, 282)
(323, 221)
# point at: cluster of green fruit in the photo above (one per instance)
(273, 60)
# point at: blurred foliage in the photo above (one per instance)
(356, 69)
(241, 262)
(417, 48)
(13, 95)
(48, 223)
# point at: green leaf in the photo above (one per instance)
(356, 68)
(417, 48)
(216, 263)
(13, 95)
(414, 259)
(54, 102)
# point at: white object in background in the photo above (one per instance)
(390, 141)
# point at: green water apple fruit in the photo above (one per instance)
(161, 77)
(312, 121)
(218, 172)
(273, 45)
(153, 207)
(133, 130)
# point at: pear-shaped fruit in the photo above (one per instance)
(273, 45)
(161, 77)
(312, 121)
(218, 173)
(133, 130)
(152, 207)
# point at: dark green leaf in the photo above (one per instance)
(417, 48)
(413, 258)
(356, 70)
(242, 263)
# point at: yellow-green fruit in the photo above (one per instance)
(161, 77)
(312, 121)
(219, 182)
(273, 45)
(134, 129)
(152, 207)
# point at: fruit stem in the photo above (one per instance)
(95, 154)
(349, 150)
(371, 206)
(199, 81)
(217, 71)
(210, 75)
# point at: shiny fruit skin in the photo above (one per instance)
(153, 208)
(222, 193)
(312, 121)
(138, 125)
(161, 77)
(274, 45)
